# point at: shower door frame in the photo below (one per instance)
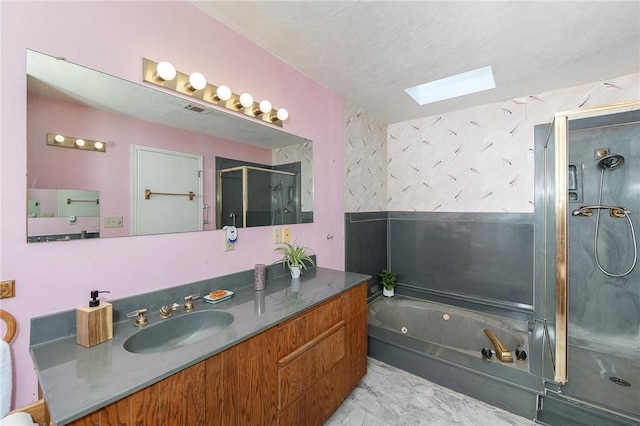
(561, 133)
(245, 189)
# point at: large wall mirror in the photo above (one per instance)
(156, 162)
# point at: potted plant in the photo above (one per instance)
(389, 280)
(294, 257)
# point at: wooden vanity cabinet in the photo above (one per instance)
(295, 373)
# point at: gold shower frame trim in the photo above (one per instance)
(561, 125)
(245, 188)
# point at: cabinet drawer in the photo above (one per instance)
(301, 369)
(306, 327)
(316, 405)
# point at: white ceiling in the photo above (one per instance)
(370, 51)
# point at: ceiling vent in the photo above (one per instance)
(196, 108)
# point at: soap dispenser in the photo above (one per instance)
(94, 322)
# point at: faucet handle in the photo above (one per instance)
(141, 319)
(188, 302)
(167, 310)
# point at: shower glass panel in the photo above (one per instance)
(597, 280)
(604, 296)
(545, 270)
(253, 196)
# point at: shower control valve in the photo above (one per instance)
(618, 212)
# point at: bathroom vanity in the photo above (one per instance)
(290, 357)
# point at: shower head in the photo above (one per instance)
(611, 162)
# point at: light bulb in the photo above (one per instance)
(80, 142)
(223, 93)
(265, 107)
(165, 71)
(197, 81)
(59, 138)
(246, 100)
(282, 114)
(98, 145)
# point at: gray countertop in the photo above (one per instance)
(76, 380)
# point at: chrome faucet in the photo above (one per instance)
(167, 310)
(502, 353)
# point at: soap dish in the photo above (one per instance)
(213, 301)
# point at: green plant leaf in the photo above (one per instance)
(295, 255)
(388, 279)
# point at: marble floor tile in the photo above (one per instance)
(389, 396)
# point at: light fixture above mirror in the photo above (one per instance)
(75, 143)
(164, 74)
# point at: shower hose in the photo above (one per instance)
(595, 243)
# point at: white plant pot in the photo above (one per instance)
(387, 293)
(294, 287)
(295, 272)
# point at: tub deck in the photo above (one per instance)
(510, 386)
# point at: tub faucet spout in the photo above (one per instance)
(502, 353)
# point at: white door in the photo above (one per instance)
(162, 181)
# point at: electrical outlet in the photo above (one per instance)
(229, 246)
(277, 235)
(286, 235)
(113, 222)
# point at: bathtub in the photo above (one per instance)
(443, 343)
(456, 328)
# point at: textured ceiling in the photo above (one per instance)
(369, 52)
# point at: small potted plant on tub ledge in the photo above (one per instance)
(389, 280)
(294, 257)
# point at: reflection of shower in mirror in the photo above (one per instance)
(278, 210)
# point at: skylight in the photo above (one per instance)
(454, 86)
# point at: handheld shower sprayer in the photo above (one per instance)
(608, 162)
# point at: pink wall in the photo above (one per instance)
(113, 37)
(64, 168)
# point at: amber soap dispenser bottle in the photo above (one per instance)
(94, 322)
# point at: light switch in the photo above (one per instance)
(277, 235)
(286, 235)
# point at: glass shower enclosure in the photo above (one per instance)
(589, 280)
(256, 196)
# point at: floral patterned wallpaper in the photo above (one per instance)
(474, 160)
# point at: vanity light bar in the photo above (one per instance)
(165, 75)
(74, 142)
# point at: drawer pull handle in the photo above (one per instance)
(310, 344)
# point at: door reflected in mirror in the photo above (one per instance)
(66, 98)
